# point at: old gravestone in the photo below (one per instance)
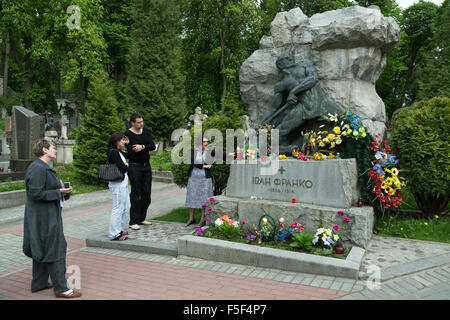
(25, 132)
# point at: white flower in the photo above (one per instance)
(281, 220)
(264, 220)
(236, 224)
(218, 222)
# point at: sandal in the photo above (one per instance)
(120, 238)
(189, 223)
(123, 233)
(202, 224)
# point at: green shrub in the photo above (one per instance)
(302, 241)
(219, 172)
(100, 121)
(420, 139)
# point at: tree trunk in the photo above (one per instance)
(28, 84)
(222, 36)
(408, 76)
(6, 66)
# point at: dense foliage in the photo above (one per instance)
(100, 121)
(420, 138)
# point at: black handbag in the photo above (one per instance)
(110, 172)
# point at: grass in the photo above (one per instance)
(180, 215)
(435, 229)
(2, 125)
(66, 173)
(162, 160)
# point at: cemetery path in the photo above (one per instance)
(422, 273)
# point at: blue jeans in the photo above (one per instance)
(120, 208)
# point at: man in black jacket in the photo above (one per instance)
(139, 172)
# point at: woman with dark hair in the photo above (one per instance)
(199, 188)
(119, 189)
(43, 235)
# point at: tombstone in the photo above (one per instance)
(25, 132)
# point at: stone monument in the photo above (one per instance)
(348, 48)
(342, 52)
(25, 132)
(198, 116)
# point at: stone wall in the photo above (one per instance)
(348, 48)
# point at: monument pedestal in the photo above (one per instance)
(19, 165)
(65, 151)
(320, 190)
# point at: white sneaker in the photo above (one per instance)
(134, 227)
(146, 223)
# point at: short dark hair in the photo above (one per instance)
(116, 136)
(38, 148)
(135, 116)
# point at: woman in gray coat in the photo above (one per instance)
(43, 236)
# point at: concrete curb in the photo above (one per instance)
(134, 245)
(238, 253)
(13, 198)
(410, 267)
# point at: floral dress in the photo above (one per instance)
(199, 188)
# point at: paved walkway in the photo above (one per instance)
(408, 269)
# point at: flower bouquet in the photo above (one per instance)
(384, 173)
(228, 227)
(325, 238)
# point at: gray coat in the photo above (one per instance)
(43, 236)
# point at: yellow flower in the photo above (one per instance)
(437, 217)
(364, 135)
(349, 131)
(331, 137)
(389, 181)
(336, 237)
(425, 223)
(394, 171)
(337, 130)
(321, 144)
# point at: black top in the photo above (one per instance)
(114, 157)
(200, 165)
(145, 138)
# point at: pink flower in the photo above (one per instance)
(204, 206)
(244, 222)
(211, 199)
(208, 219)
(340, 213)
(209, 209)
(336, 227)
(347, 219)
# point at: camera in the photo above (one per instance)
(67, 185)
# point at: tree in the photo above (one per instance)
(434, 74)
(417, 22)
(99, 122)
(154, 85)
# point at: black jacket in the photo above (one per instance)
(114, 157)
(208, 160)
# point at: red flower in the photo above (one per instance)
(293, 200)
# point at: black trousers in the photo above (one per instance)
(56, 271)
(140, 176)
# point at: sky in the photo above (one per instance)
(406, 3)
